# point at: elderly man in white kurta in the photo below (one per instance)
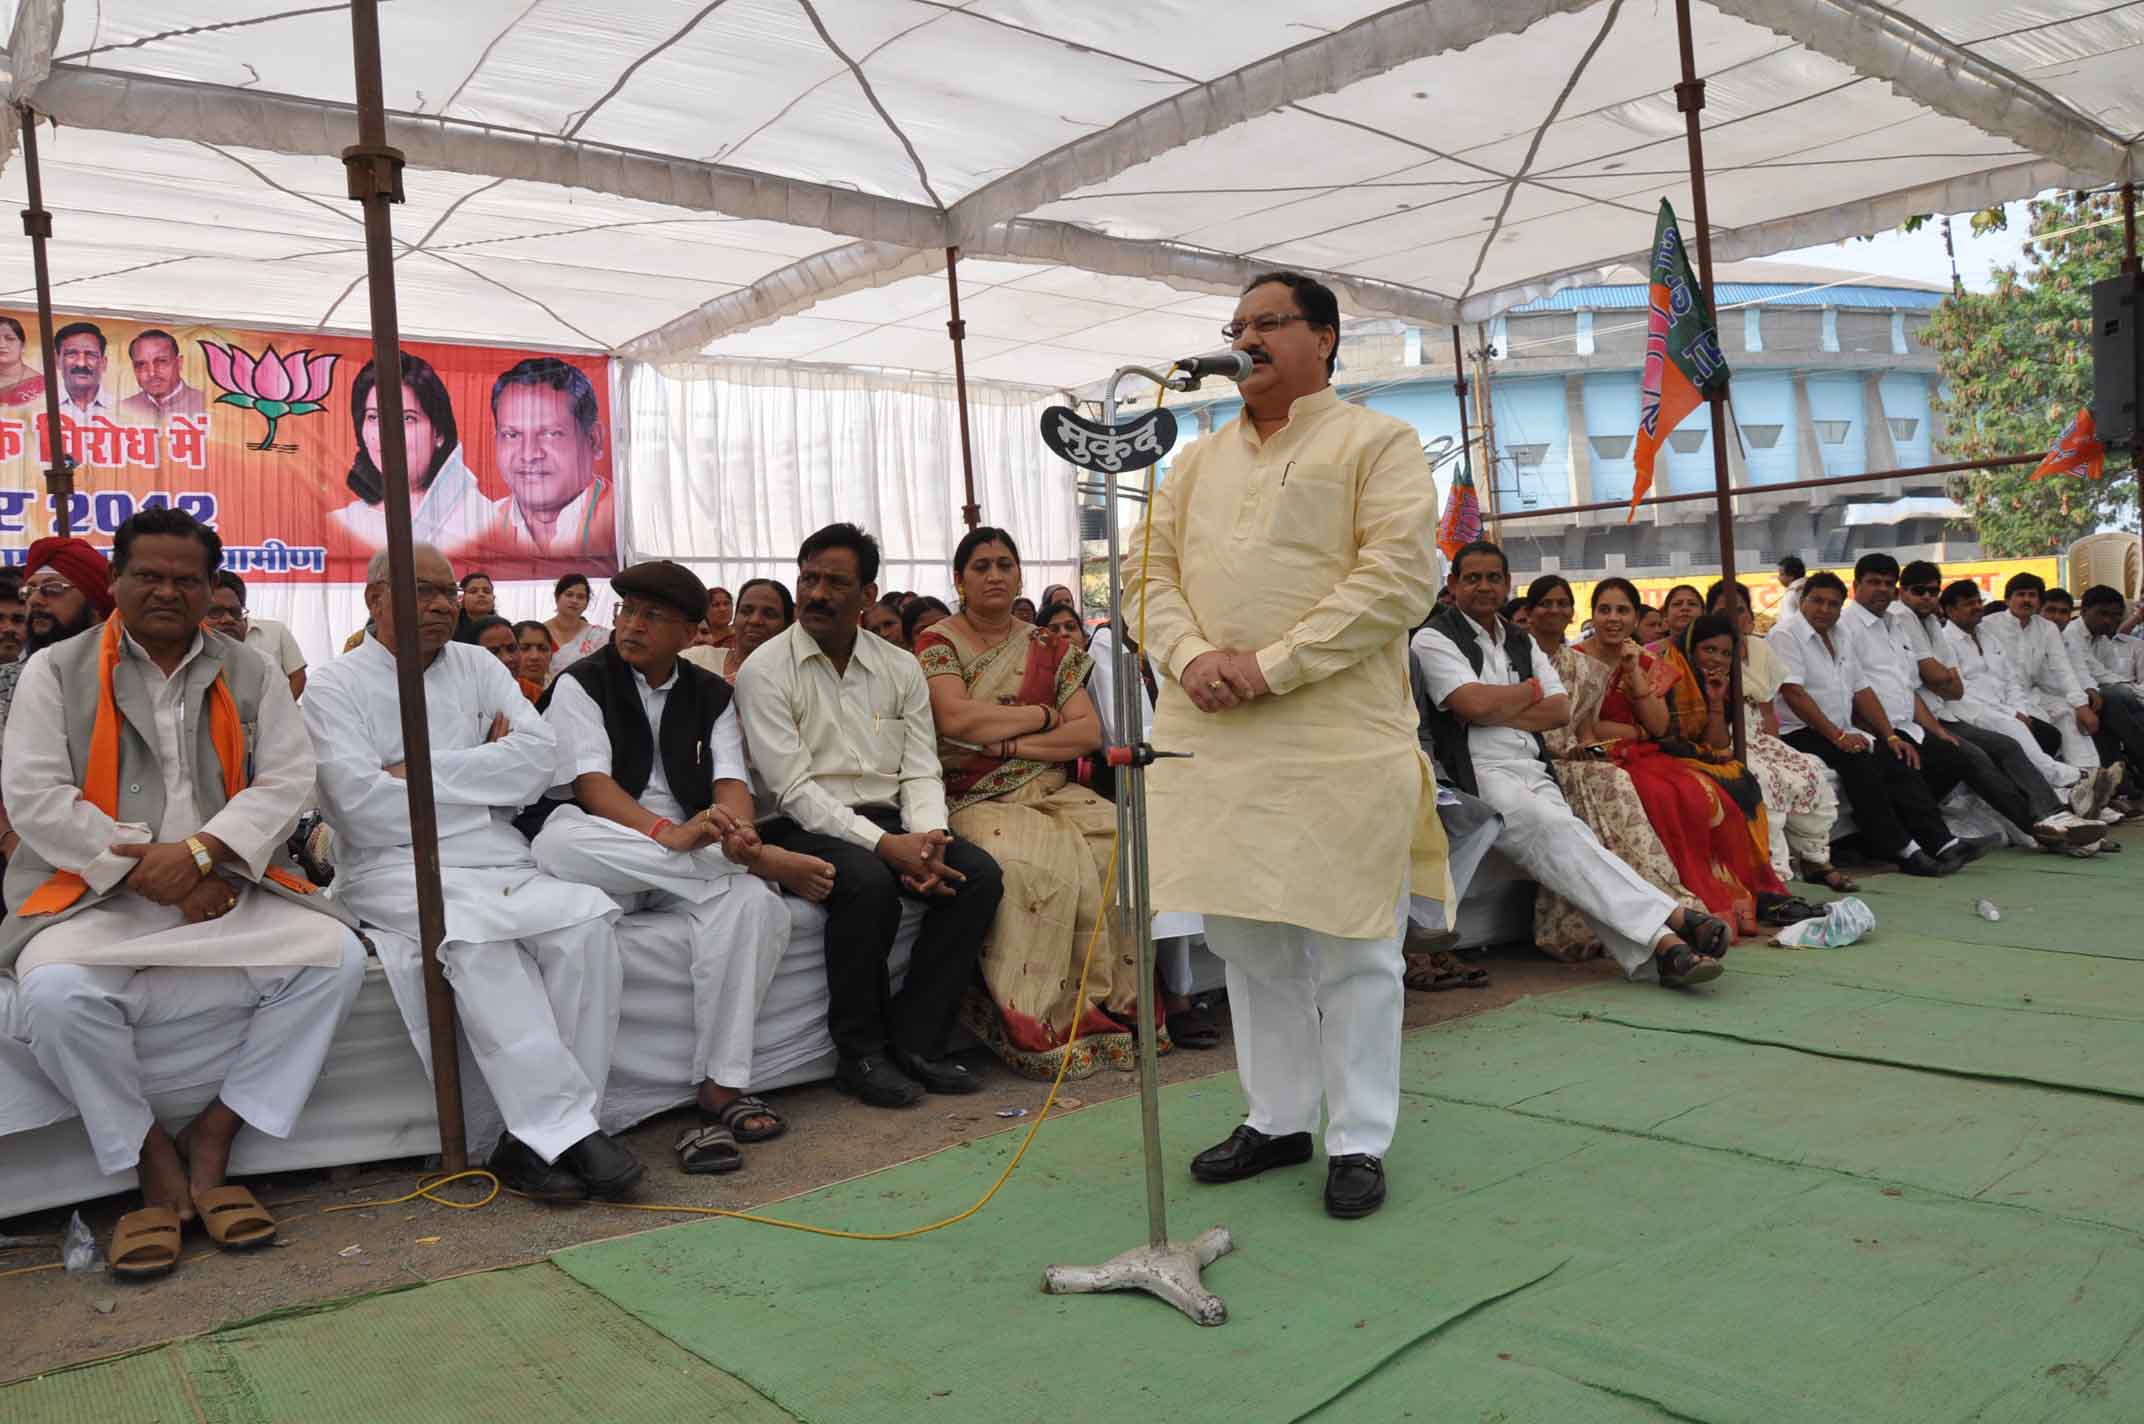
(154, 770)
(1491, 695)
(654, 805)
(1290, 554)
(532, 958)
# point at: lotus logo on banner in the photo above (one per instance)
(1108, 449)
(275, 386)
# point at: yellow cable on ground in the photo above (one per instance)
(427, 1188)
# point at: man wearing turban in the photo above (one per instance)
(67, 587)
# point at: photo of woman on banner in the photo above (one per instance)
(558, 515)
(20, 382)
(448, 508)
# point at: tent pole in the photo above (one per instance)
(1459, 389)
(958, 330)
(1952, 467)
(59, 474)
(2131, 267)
(1690, 98)
(375, 173)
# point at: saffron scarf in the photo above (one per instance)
(100, 783)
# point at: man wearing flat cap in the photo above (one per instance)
(654, 805)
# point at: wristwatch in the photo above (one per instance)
(202, 858)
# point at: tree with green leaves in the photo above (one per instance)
(2016, 364)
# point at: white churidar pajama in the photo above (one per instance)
(740, 928)
(82, 1019)
(532, 958)
(1993, 699)
(1541, 832)
(1302, 1002)
(87, 982)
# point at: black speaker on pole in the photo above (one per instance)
(2117, 358)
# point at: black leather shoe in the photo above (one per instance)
(1959, 856)
(604, 1163)
(1249, 1152)
(1354, 1185)
(1922, 863)
(520, 1170)
(942, 1075)
(878, 1081)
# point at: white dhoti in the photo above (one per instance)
(740, 927)
(536, 977)
(2077, 748)
(1317, 1017)
(82, 1017)
(1560, 852)
(2059, 774)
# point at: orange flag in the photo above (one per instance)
(2076, 451)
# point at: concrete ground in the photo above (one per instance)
(57, 1319)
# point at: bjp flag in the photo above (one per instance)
(2076, 451)
(1461, 524)
(1683, 364)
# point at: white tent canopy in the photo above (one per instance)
(672, 179)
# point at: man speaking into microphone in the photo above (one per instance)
(1291, 554)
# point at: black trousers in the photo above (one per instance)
(864, 1016)
(1890, 800)
(2044, 733)
(2121, 727)
(1994, 766)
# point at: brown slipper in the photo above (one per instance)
(145, 1244)
(234, 1219)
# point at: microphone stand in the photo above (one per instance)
(1162, 1268)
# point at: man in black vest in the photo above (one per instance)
(660, 815)
(1492, 694)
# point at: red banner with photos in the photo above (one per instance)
(273, 438)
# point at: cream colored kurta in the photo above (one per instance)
(1316, 550)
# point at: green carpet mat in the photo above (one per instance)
(507, 1347)
(1892, 1182)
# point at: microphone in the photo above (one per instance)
(1236, 365)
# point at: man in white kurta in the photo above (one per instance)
(1290, 555)
(532, 959)
(2042, 668)
(625, 827)
(1987, 695)
(174, 899)
(1492, 694)
(2106, 665)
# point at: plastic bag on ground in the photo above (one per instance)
(78, 1247)
(1844, 921)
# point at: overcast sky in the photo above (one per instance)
(1920, 254)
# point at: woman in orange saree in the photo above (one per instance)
(1705, 832)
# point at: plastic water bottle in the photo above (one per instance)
(1986, 909)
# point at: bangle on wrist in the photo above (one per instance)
(662, 823)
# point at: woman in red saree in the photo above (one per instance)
(1705, 833)
(1010, 703)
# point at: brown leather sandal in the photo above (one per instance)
(145, 1244)
(234, 1219)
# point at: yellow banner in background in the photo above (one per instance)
(1765, 590)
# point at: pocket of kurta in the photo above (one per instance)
(1313, 510)
(891, 736)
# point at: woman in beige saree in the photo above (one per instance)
(1011, 710)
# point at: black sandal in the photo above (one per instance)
(737, 1110)
(1780, 911)
(1681, 966)
(707, 1150)
(1194, 1027)
(1707, 936)
(1440, 970)
(1830, 877)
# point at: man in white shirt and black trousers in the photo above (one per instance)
(838, 724)
(1822, 690)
